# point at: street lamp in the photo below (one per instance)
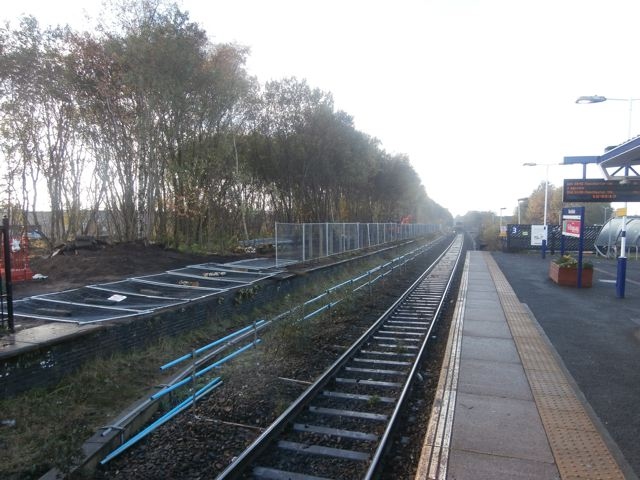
(599, 99)
(546, 196)
(520, 200)
(546, 185)
(500, 236)
(622, 259)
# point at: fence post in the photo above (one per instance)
(7, 273)
(276, 235)
(326, 234)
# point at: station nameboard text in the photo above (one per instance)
(599, 190)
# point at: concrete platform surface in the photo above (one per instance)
(531, 385)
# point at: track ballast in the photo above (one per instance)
(341, 425)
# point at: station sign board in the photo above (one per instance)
(571, 228)
(572, 219)
(600, 190)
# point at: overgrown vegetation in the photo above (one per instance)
(51, 424)
(143, 129)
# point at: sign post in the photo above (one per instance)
(597, 190)
(621, 271)
(539, 237)
(573, 226)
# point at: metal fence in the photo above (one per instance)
(519, 238)
(301, 242)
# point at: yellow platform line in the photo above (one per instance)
(579, 450)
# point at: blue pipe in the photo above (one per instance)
(199, 373)
(316, 298)
(230, 356)
(361, 277)
(162, 420)
(340, 285)
(211, 345)
(314, 313)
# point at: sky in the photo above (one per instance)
(469, 90)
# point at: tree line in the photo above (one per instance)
(146, 126)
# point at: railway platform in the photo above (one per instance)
(539, 381)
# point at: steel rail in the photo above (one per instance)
(376, 462)
(247, 458)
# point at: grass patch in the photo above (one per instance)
(52, 424)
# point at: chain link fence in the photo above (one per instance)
(301, 242)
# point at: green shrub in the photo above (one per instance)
(568, 261)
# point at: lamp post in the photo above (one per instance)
(500, 237)
(599, 99)
(622, 259)
(546, 196)
(604, 219)
(608, 228)
(520, 200)
(501, 210)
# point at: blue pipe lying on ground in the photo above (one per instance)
(211, 345)
(199, 373)
(165, 418)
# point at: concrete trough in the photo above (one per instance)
(60, 311)
(189, 281)
(155, 289)
(218, 272)
(259, 264)
(100, 296)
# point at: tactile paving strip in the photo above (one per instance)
(578, 448)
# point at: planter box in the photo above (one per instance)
(569, 276)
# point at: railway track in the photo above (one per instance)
(340, 427)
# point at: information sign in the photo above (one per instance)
(571, 228)
(538, 234)
(600, 190)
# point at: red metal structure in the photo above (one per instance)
(19, 254)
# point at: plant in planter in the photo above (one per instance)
(564, 271)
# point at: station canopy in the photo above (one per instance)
(622, 160)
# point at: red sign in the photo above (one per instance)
(571, 228)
